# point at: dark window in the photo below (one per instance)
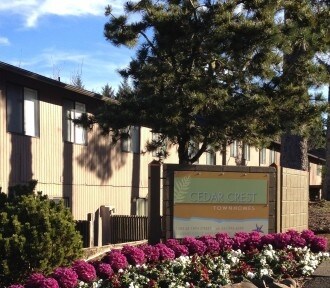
(72, 132)
(22, 110)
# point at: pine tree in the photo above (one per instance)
(107, 91)
(305, 36)
(205, 71)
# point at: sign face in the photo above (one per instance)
(213, 202)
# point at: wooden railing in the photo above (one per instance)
(118, 229)
(127, 228)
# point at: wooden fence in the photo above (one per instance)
(122, 229)
(127, 228)
(83, 226)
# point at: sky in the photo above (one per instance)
(60, 38)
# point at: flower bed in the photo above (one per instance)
(208, 261)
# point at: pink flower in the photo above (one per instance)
(308, 235)
(151, 253)
(66, 277)
(49, 283)
(281, 240)
(267, 239)
(34, 281)
(116, 259)
(319, 244)
(253, 241)
(165, 253)
(85, 271)
(134, 255)
(104, 271)
(16, 286)
(194, 246)
(224, 240)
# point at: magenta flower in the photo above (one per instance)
(281, 240)
(212, 246)
(180, 250)
(240, 240)
(225, 242)
(172, 242)
(253, 241)
(48, 283)
(104, 271)
(295, 239)
(134, 255)
(318, 244)
(16, 286)
(116, 259)
(151, 253)
(308, 235)
(267, 239)
(35, 280)
(85, 271)
(66, 277)
(194, 246)
(165, 253)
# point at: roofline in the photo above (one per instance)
(309, 154)
(319, 159)
(57, 83)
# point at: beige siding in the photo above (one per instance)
(294, 194)
(87, 175)
(315, 175)
(90, 176)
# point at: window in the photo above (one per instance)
(247, 152)
(210, 156)
(272, 156)
(132, 142)
(262, 156)
(319, 170)
(65, 200)
(22, 110)
(233, 149)
(141, 206)
(193, 149)
(72, 132)
(160, 151)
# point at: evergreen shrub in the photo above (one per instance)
(36, 234)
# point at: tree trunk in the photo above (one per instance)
(294, 152)
(326, 185)
(224, 153)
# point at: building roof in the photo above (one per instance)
(316, 156)
(7, 67)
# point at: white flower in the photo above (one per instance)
(250, 275)
(264, 271)
(263, 261)
(307, 270)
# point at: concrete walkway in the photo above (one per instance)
(321, 277)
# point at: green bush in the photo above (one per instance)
(36, 234)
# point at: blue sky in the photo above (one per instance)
(61, 38)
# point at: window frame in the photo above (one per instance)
(234, 149)
(262, 156)
(247, 152)
(160, 151)
(272, 156)
(131, 144)
(70, 129)
(211, 157)
(20, 110)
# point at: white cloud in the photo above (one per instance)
(97, 67)
(33, 10)
(4, 41)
